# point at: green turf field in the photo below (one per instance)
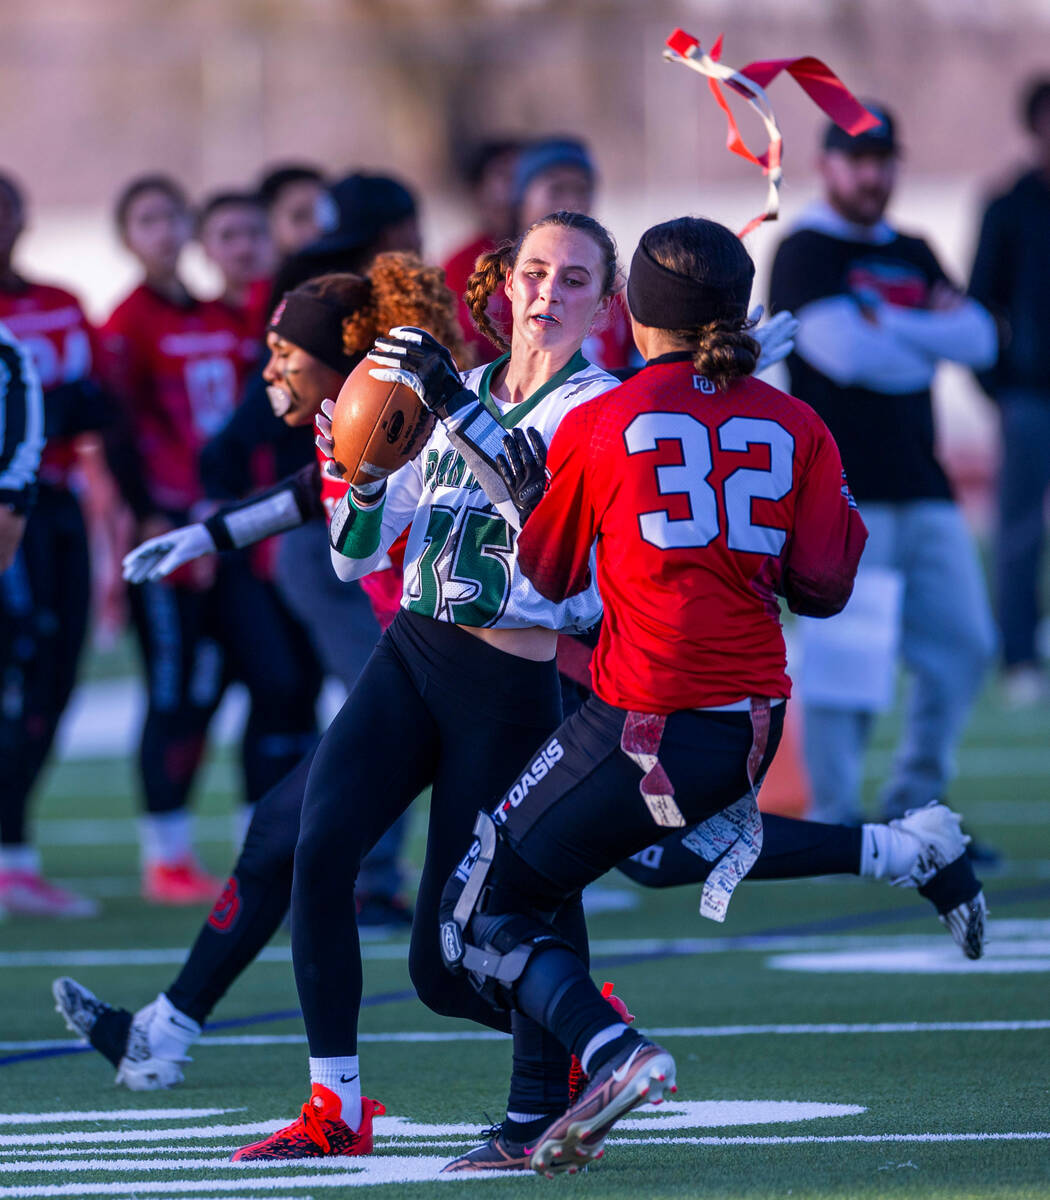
(830, 1039)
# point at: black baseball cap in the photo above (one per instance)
(879, 139)
(359, 207)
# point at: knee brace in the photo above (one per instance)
(493, 948)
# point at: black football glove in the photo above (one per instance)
(418, 360)
(522, 467)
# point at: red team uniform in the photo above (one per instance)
(689, 493)
(692, 505)
(45, 596)
(51, 325)
(179, 370)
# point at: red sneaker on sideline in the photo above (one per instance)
(183, 882)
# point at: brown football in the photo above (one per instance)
(377, 426)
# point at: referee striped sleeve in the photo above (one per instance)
(21, 419)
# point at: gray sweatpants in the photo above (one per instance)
(947, 642)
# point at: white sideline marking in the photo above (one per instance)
(112, 1114)
(679, 1114)
(342, 1163)
(371, 1171)
(691, 1031)
(853, 1027)
(1001, 959)
(1018, 928)
(815, 1139)
(142, 1135)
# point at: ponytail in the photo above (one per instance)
(724, 351)
(490, 272)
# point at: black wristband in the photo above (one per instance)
(220, 535)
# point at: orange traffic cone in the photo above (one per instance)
(785, 789)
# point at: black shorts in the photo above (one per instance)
(577, 809)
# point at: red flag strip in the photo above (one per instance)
(815, 78)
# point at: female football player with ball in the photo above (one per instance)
(461, 685)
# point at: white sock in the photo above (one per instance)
(20, 858)
(609, 1034)
(886, 853)
(166, 837)
(342, 1076)
(171, 1032)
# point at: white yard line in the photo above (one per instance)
(112, 1114)
(688, 1031)
(817, 1139)
(1002, 931)
(385, 1169)
(340, 1164)
(370, 1172)
(87, 1137)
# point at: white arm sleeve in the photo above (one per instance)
(837, 341)
(965, 334)
(395, 513)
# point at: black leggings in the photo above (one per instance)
(194, 643)
(434, 706)
(253, 903)
(791, 849)
(45, 597)
(258, 892)
(564, 828)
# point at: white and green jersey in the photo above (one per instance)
(461, 560)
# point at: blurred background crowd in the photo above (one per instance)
(164, 181)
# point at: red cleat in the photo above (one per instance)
(183, 882)
(577, 1079)
(320, 1131)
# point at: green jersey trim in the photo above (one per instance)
(509, 419)
(360, 534)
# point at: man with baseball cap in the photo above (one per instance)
(1009, 276)
(877, 314)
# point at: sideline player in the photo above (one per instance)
(1009, 278)
(176, 365)
(707, 493)
(488, 171)
(233, 233)
(292, 195)
(45, 597)
(559, 172)
(21, 442)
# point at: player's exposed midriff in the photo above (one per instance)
(533, 642)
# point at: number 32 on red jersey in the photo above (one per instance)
(689, 478)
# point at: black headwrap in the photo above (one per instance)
(663, 299)
(315, 326)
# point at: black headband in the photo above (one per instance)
(663, 299)
(314, 326)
